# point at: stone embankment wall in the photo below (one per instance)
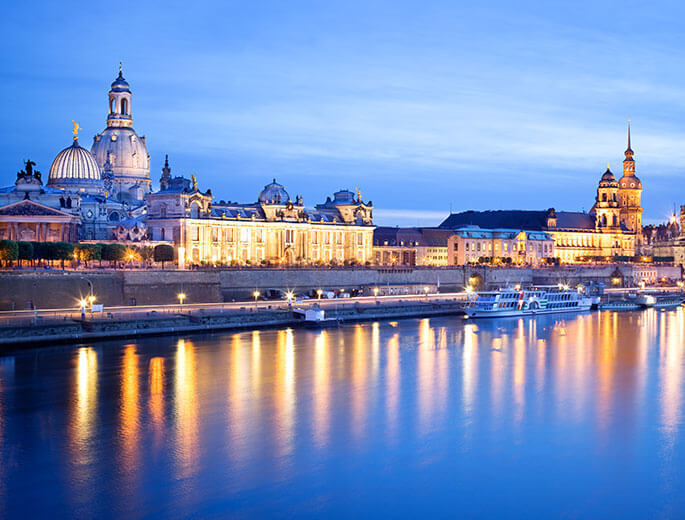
(57, 289)
(54, 331)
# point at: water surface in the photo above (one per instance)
(571, 416)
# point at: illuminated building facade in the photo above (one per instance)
(612, 228)
(274, 230)
(410, 246)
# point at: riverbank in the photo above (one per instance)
(70, 329)
(58, 289)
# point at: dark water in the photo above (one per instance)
(574, 417)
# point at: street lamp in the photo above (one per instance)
(91, 299)
(425, 290)
(256, 295)
(319, 292)
(83, 308)
(375, 292)
(289, 295)
(181, 297)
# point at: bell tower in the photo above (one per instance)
(120, 103)
(630, 195)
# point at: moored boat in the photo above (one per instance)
(620, 305)
(526, 302)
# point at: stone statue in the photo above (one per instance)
(193, 179)
(29, 167)
(359, 195)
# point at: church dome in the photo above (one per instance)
(274, 193)
(75, 168)
(608, 179)
(630, 182)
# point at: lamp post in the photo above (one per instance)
(319, 292)
(83, 308)
(375, 292)
(181, 297)
(289, 295)
(256, 296)
(425, 291)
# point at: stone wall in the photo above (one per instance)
(57, 289)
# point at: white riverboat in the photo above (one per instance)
(526, 302)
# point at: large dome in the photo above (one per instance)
(274, 193)
(75, 168)
(127, 153)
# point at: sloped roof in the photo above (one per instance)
(29, 208)
(518, 219)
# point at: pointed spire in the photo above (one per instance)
(629, 134)
(121, 75)
(608, 167)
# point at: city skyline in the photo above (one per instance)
(414, 108)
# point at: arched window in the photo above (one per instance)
(124, 107)
(162, 211)
(112, 105)
(604, 197)
(604, 220)
(614, 198)
(161, 233)
(615, 221)
(194, 210)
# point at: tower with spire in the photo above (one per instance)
(166, 175)
(630, 195)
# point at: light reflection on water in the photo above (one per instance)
(575, 416)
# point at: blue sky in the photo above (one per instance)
(422, 105)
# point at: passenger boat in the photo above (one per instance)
(661, 300)
(526, 302)
(620, 305)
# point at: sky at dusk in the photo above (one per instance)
(424, 106)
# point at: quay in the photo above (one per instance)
(22, 329)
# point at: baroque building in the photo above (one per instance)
(276, 229)
(105, 194)
(612, 228)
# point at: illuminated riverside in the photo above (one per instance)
(576, 416)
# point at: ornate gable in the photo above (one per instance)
(29, 208)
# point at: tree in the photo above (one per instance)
(9, 251)
(25, 251)
(147, 253)
(49, 251)
(88, 252)
(64, 251)
(163, 253)
(113, 252)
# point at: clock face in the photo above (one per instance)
(89, 214)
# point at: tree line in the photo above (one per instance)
(36, 252)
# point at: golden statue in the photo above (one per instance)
(75, 130)
(194, 181)
(359, 195)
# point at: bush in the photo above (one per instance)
(163, 253)
(9, 250)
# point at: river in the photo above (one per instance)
(570, 416)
